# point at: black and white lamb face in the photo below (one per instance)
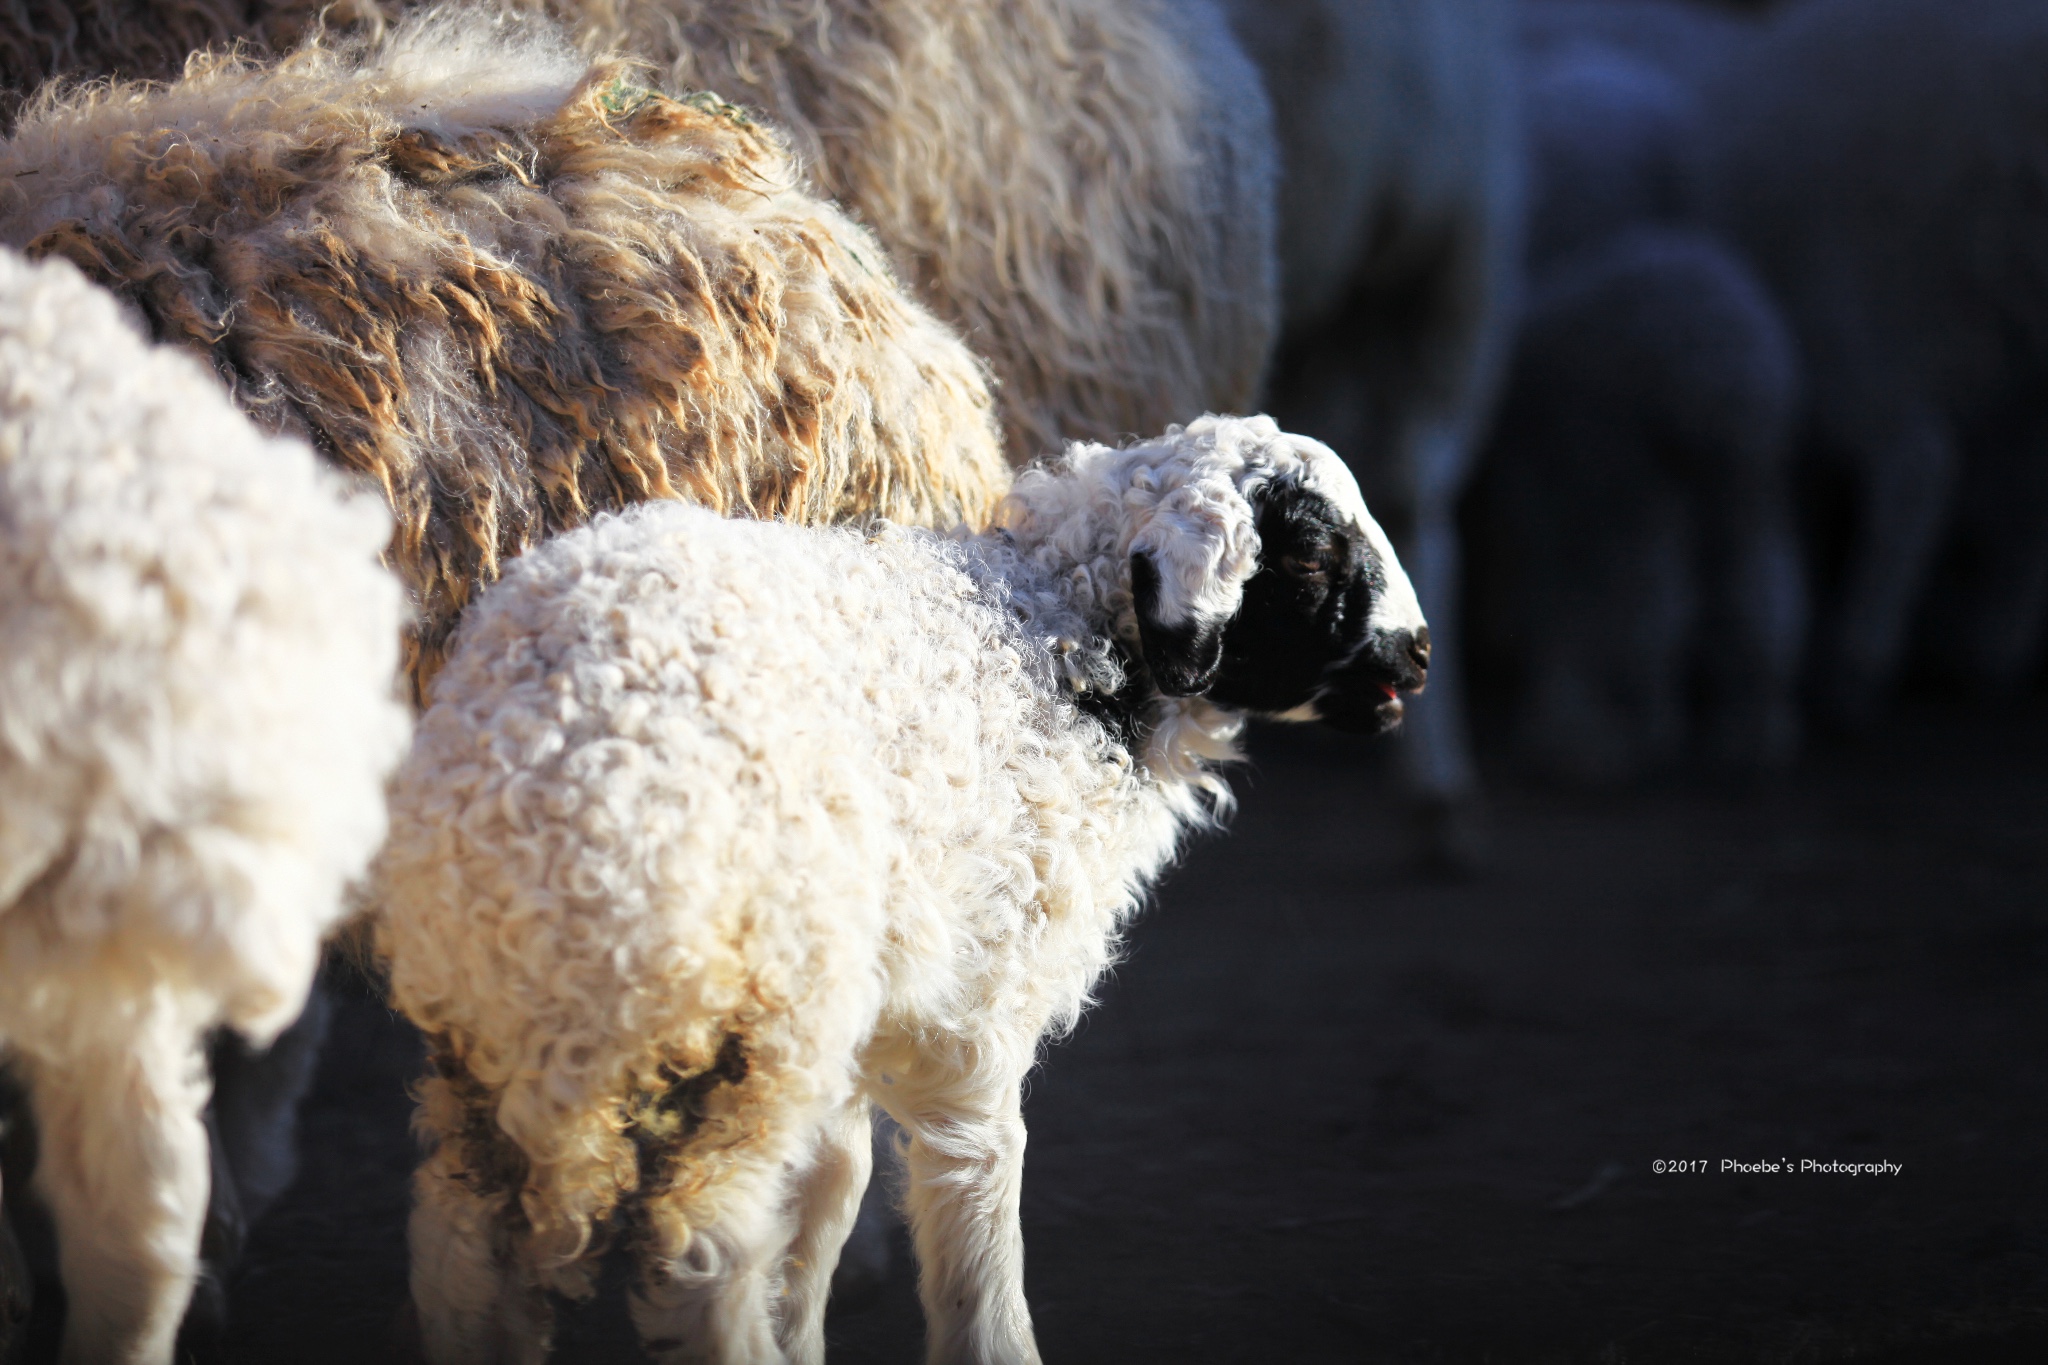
(1323, 623)
(1330, 628)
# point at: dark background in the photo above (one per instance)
(1330, 1109)
(1335, 1108)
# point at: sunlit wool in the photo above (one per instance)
(1082, 187)
(197, 711)
(717, 830)
(513, 288)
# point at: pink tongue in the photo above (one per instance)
(1388, 688)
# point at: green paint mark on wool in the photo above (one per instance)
(710, 102)
(622, 97)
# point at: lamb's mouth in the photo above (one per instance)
(1364, 705)
(1367, 693)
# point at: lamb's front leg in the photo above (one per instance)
(123, 1170)
(966, 1171)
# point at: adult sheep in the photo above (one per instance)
(1636, 578)
(718, 831)
(1083, 188)
(1885, 163)
(512, 288)
(1400, 231)
(197, 713)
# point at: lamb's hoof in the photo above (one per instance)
(1451, 836)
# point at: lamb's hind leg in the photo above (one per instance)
(966, 1172)
(711, 1268)
(474, 1303)
(827, 1203)
(717, 1208)
(123, 1170)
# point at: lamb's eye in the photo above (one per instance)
(1308, 568)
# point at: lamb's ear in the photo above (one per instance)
(1181, 656)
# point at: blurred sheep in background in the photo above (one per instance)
(1400, 239)
(1885, 164)
(1636, 577)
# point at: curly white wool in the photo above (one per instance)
(197, 709)
(716, 829)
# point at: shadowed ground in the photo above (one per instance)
(1330, 1112)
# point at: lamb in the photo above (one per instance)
(717, 832)
(1400, 236)
(511, 286)
(1883, 163)
(197, 714)
(1083, 188)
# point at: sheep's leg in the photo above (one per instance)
(123, 1172)
(827, 1204)
(1752, 631)
(17, 1292)
(475, 1305)
(865, 1256)
(966, 1172)
(712, 1272)
(1905, 470)
(1437, 753)
(718, 1212)
(1985, 629)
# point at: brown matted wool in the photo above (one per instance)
(512, 285)
(1067, 182)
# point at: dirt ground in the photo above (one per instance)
(1330, 1110)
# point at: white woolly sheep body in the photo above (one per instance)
(197, 710)
(717, 830)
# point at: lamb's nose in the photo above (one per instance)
(1418, 650)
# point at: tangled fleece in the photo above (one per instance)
(196, 717)
(718, 830)
(512, 287)
(1084, 188)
